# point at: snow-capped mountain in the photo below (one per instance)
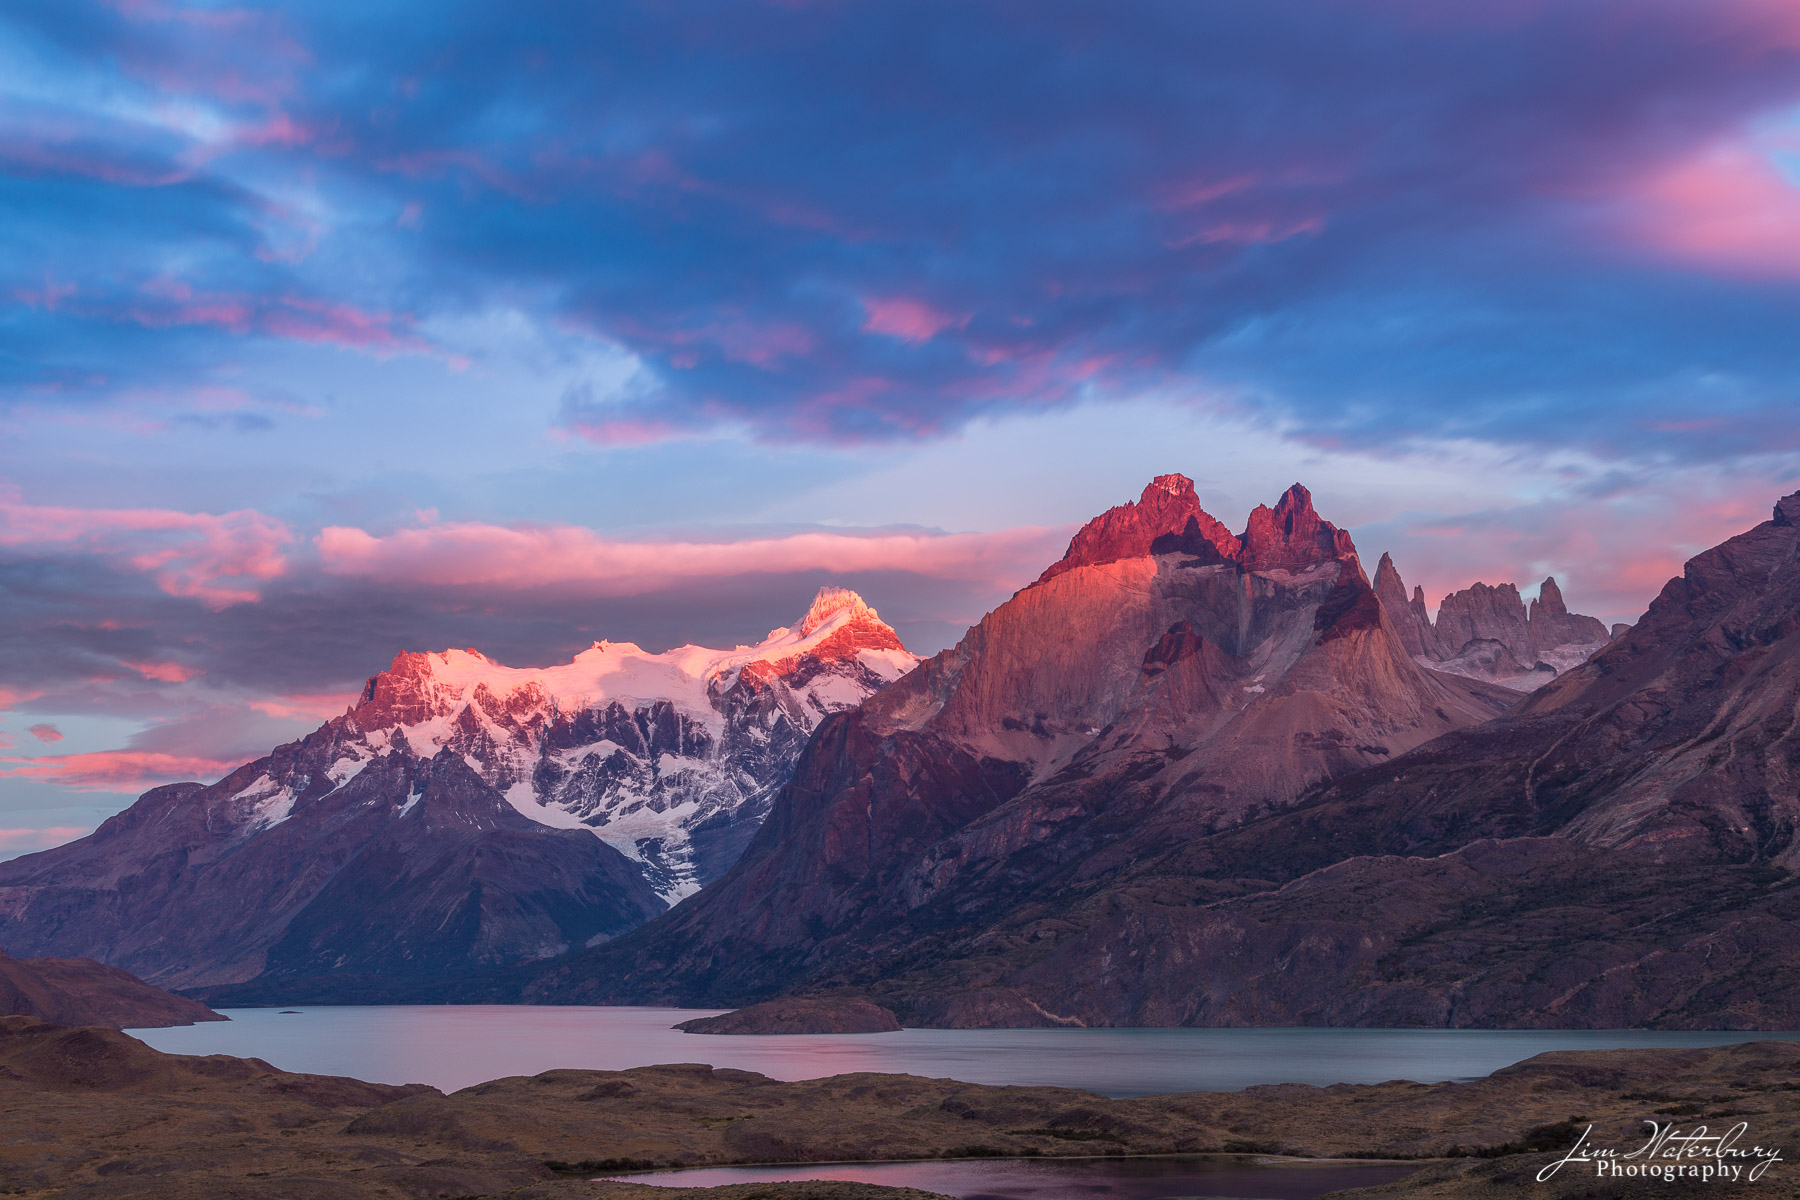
(460, 816)
(669, 758)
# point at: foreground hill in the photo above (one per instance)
(1164, 674)
(460, 816)
(78, 991)
(94, 1113)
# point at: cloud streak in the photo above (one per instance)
(470, 554)
(220, 559)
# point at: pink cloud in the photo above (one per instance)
(163, 672)
(12, 699)
(306, 320)
(470, 554)
(31, 157)
(48, 297)
(907, 319)
(24, 841)
(45, 732)
(1728, 208)
(622, 431)
(1262, 231)
(316, 706)
(1191, 193)
(734, 337)
(114, 770)
(216, 559)
(296, 318)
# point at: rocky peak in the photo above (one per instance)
(1410, 619)
(1292, 536)
(1787, 510)
(843, 626)
(1549, 601)
(1388, 584)
(1539, 640)
(829, 603)
(1167, 507)
(401, 695)
(1484, 611)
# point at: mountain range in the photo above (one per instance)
(460, 815)
(1489, 633)
(1267, 812)
(1185, 777)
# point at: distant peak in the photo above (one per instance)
(1388, 584)
(829, 603)
(1550, 598)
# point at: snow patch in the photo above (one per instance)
(524, 799)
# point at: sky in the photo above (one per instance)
(332, 330)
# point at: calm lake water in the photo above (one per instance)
(1083, 1179)
(454, 1046)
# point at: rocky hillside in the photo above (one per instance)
(1161, 674)
(79, 991)
(460, 816)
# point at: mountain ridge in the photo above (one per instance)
(460, 815)
(1619, 849)
(1151, 674)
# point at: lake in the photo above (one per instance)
(454, 1046)
(1078, 1179)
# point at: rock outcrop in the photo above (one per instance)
(800, 1014)
(1484, 632)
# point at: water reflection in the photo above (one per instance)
(1077, 1179)
(454, 1046)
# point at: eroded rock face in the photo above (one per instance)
(1185, 687)
(1167, 507)
(460, 816)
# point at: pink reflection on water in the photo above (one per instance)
(1075, 1179)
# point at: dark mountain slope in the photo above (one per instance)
(411, 869)
(460, 816)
